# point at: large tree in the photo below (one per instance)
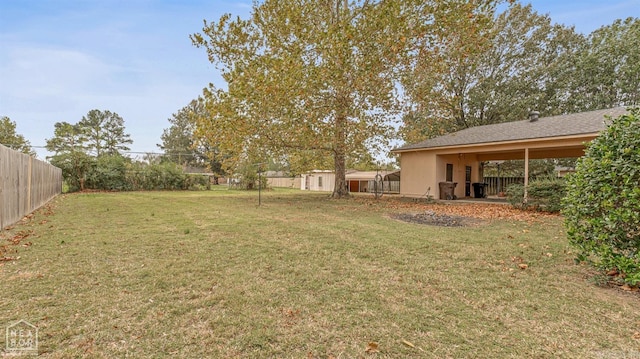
(104, 132)
(523, 64)
(12, 139)
(181, 144)
(79, 147)
(608, 68)
(69, 146)
(178, 139)
(307, 80)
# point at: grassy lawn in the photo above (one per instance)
(212, 275)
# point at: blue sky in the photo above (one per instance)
(59, 59)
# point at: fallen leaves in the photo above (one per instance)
(14, 240)
(372, 347)
(18, 238)
(628, 288)
(520, 262)
(291, 316)
(488, 211)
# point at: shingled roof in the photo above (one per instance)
(555, 126)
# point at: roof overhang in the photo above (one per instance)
(548, 147)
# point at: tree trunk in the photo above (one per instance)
(340, 190)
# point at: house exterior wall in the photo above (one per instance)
(318, 181)
(418, 176)
(459, 162)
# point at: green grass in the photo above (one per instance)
(211, 274)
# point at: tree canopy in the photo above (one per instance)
(319, 81)
(523, 64)
(526, 63)
(178, 140)
(104, 132)
(12, 139)
(181, 144)
(608, 68)
(77, 146)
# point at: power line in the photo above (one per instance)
(122, 152)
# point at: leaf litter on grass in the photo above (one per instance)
(456, 214)
(10, 241)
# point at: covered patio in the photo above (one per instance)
(362, 181)
(458, 157)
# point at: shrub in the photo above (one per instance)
(108, 172)
(546, 194)
(197, 182)
(543, 194)
(603, 200)
(249, 179)
(75, 166)
(161, 176)
(515, 195)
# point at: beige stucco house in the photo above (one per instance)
(358, 181)
(318, 180)
(458, 157)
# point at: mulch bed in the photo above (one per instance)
(436, 219)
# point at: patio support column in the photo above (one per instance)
(526, 173)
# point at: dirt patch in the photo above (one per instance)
(436, 219)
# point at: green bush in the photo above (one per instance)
(163, 176)
(75, 166)
(118, 173)
(108, 172)
(546, 194)
(196, 182)
(515, 195)
(602, 206)
(249, 178)
(543, 194)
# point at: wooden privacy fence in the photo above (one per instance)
(25, 184)
(289, 182)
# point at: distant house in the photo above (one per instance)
(358, 181)
(318, 180)
(362, 181)
(457, 157)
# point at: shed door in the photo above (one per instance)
(353, 186)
